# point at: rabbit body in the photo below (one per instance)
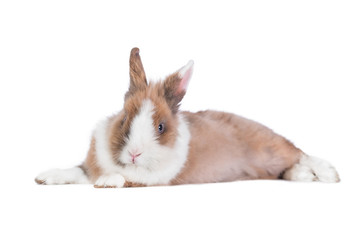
(151, 142)
(226, 147)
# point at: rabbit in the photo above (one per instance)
(150, 142)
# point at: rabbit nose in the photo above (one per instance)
(134, 156)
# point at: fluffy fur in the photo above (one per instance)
(63, 176)
(311, 169)
(150, 142)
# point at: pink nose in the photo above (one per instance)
(134, 156)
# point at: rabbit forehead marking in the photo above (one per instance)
(161, 111)
(144, 125)
(141, 129)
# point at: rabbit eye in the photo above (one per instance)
(161, 128)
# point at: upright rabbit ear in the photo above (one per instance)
(176, 84)
(185, 74)
(137, 73)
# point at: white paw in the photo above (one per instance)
(62, 176)
(323, 170)
(312, 169)
(300, 173)
(328, 174)
(110, 181)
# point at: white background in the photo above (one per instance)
(291, 65)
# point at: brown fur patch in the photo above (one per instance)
(97, 186)
(132, 184)
(163, 114)
(120, 127)
(90, 166)
(41, 182)
(171, 92)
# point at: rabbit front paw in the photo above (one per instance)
(110, 181)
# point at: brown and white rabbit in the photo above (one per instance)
(150, 142)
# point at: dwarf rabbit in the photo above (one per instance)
(151, 142)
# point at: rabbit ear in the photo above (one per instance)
(176, 84)
(185, 74)
(137, 73)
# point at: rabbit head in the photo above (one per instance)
(148, 129)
